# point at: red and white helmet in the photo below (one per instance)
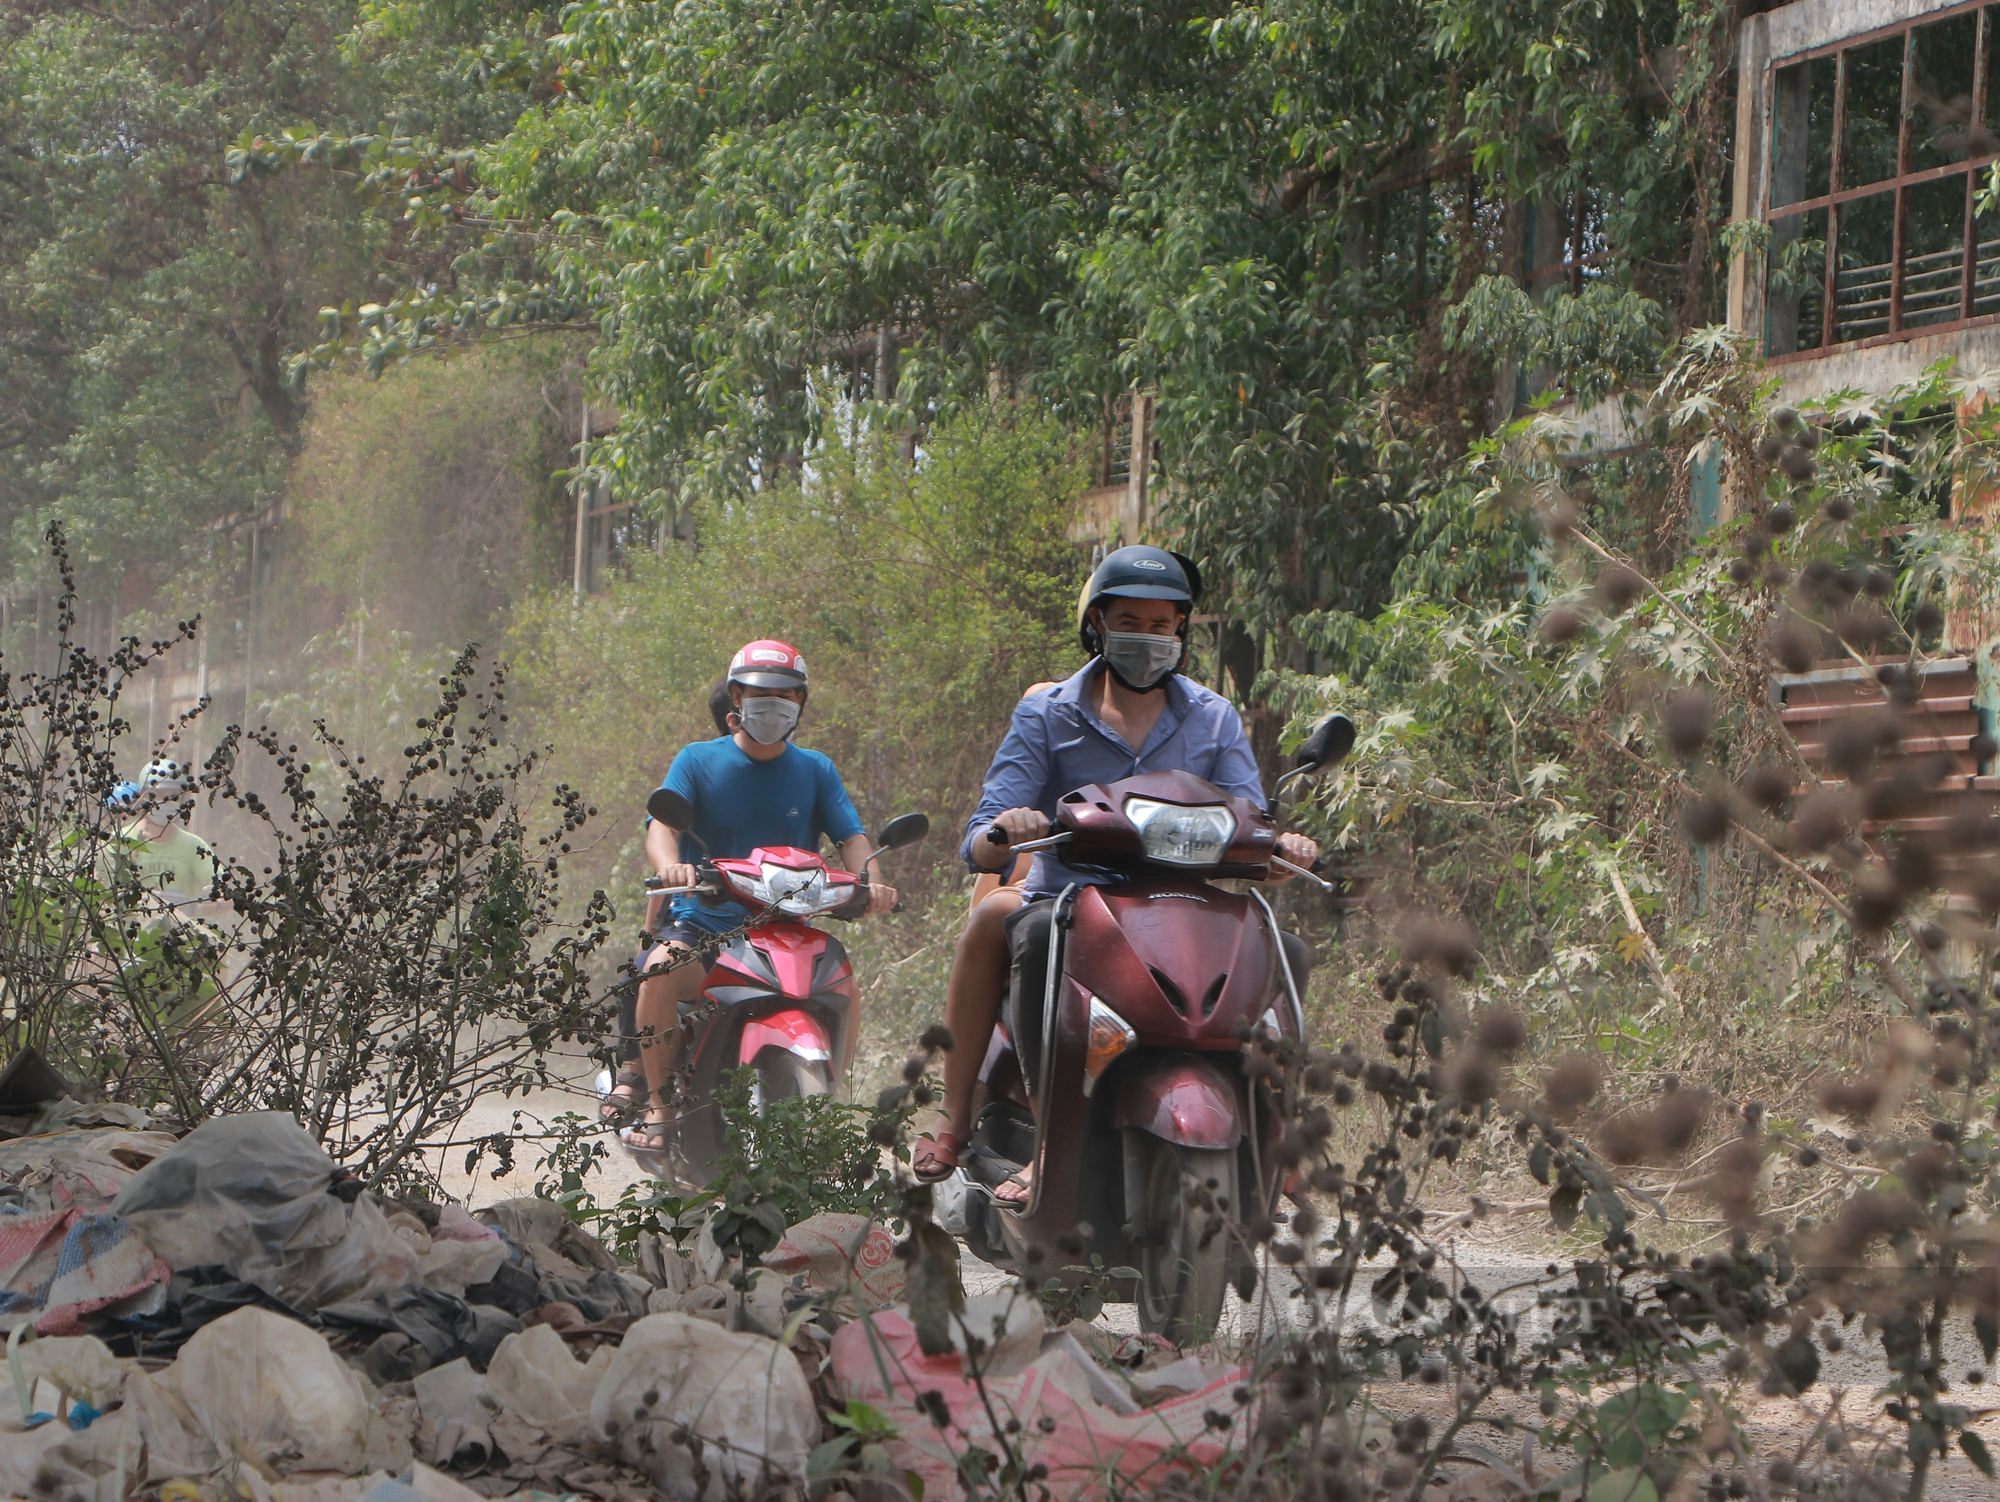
(768, 664)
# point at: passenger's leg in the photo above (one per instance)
(659, 1025)
(971, 1007)
(1028, 947)
(626, 1096)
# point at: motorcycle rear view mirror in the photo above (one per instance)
(671, 809)
(906, 829)
(1332, 738)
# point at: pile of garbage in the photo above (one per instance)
(229, 1314)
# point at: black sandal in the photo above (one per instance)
(616, 1111)
(652, 1137)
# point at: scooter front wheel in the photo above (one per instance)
(1183, 1246)
(786, 1076)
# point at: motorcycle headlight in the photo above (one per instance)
(798, 893)
(1176, 835)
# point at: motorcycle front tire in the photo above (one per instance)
(1183, 1252)
(786, 1076)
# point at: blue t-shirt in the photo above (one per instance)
(740, 803)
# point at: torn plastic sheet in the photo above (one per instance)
(1092, 1450)
(253, 1194)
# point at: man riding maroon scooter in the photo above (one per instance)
(1131, 981)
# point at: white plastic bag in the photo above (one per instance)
(81, 1367)
(454, 1266)
(263, 1385)
(539, 1384)
(682, 1398)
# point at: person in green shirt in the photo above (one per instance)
(155, 867)
(156, 853)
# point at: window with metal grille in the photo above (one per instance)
(1877, 152)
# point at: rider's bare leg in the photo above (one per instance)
(972, 1007)
(658, 1015)
(628, 1077)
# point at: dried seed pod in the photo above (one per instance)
(1798, 465)
(1557, 516)
(1972, 831)
(1617, 587)
(1781, 518)
(1913, 869)
(1784, 419)
(1706, 820)
(1560, 624)
(1853, 742)
(1838, 509)
(1795, 645)
(1501, 1031)
(1768, 785)
(1927, 619)
(1982, 884)
(1449, 944)
(1865, 626)
(1826, 816)
(1809, 437)
(1755, 543)
(1876, 901)
(1664, 1132)
(1688, 720)
(1572, 1084)
(1852, 1097)
(1776, 575)
(1769, 447)
(1741, 571)
(1894, 797)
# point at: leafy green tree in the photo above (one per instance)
(154, 285)
(927, 204)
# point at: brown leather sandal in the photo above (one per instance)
(943, 1159)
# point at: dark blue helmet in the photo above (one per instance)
(1136, 573)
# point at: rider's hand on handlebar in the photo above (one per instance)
(679, 874)
(1297, 849)
(880, 898)
(1019, 825)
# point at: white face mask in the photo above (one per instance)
(1139, 658)
(767, 719)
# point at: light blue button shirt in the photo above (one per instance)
(1057, 744)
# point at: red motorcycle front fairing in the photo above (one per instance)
(1186, 965)
(1186, 1100)
(790, 1031)
(1181, 962)
(782, 984)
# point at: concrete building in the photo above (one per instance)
(1865, 132)
(1867, 136)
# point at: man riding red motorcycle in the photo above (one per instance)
(1131, 982)
(749, 790)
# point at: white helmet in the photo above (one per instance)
(163, 778)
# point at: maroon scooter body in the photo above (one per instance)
(1187, 967)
